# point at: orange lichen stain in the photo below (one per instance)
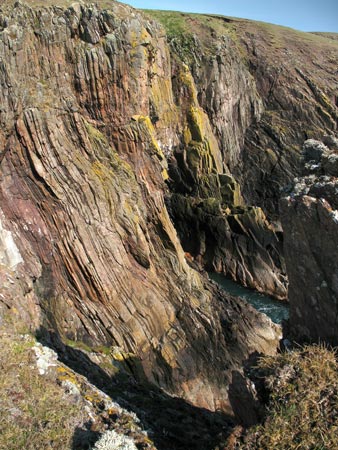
(112, 411)
(188, 256)
(93, 398)
(101, 171)
(66, 375)
(145, 122)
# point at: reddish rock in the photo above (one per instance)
(87, 247)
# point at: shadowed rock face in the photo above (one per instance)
(107, 135)
(264, 89)
(310, 222)
(87, 247)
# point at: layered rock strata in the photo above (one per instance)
(88, 250)
(310, 222)
(264, 89)
(107, 135)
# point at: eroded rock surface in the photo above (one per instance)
(107, 135)
(310, 222)
(88, 250)
(264, 89)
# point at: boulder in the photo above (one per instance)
(313, 150)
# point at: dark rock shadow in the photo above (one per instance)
(244, 400)
(248, 395)
(172, 423)
(84, 438)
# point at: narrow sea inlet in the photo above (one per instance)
(276, 310)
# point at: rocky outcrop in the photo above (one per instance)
(264, 89)
(112, 141)
(296, 77)
(235, 240)
(215, 225)
(88, 249)
(310, 223)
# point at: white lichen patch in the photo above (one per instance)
(45, 358)
(9, 252)
(334, 215)
(71, 388)
(110, 440)
(109, 404)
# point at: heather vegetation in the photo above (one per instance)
(302, 412)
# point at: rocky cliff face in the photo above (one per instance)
(111, 141)
(88, 250)
(265, 89)
(295, 76)
(310, 222)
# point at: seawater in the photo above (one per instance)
(276, 310)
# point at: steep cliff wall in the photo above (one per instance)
(107, 135)
(264, 89)
(295, 76)
(88, 249)
(310, 221)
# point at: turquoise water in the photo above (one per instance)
(277, 311)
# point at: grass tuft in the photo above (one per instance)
(303, 408)
(35, 415)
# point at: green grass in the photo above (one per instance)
(303, 409)
(63, 3)
(177, 23)
(179, 34)
(174, 22)
(83, 346)
(35, 414)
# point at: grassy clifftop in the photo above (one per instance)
(209, 27)
(303, 402)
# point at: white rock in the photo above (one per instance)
(334, 215)
(71, 388)
(9, 253)
(110, 440)
(45, 358)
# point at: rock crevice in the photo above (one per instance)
(83, 187)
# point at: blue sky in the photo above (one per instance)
(306, 15)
